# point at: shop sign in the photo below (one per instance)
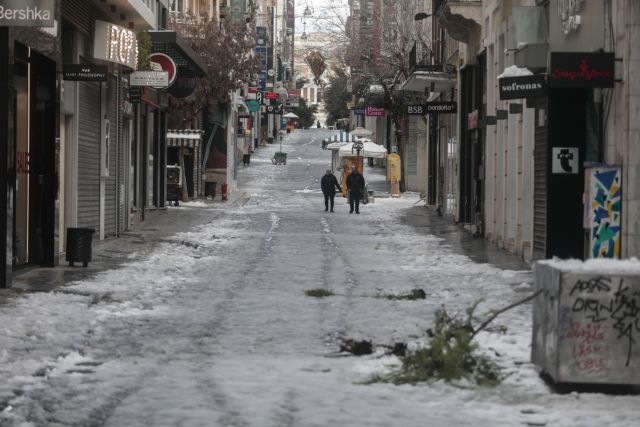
(271, 95)
(274, 109)
(358, 111)
(522, 87)
(135, 95)
(166, 64)
(238, 9)
(184, 84)
(115, 44)
(581, 69)
(159, 79)
(374, 111)
(431, 108)
(85, 73)
(253, 105)
(27, 13)
(565, 160)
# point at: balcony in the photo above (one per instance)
(135, 14)
(462, 19)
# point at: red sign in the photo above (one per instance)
(374, 111)
(582, 69)
(166, 63)
(254, 89)
(270, 95)
(294, 92)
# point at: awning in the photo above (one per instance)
(187, 138)
(369, 149)
(436, 81)
(172, 44)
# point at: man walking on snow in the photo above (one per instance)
(329, 183)
(355, 185)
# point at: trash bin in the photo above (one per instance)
(246, 159)
(79, 241)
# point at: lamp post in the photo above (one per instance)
(358, 146)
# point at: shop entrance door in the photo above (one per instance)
(34, 80)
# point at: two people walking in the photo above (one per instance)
(355, 186)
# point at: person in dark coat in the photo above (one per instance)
(355, 185)
(329, 183)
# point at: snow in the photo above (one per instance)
(515, 71)
(210, 326)
(599, 265)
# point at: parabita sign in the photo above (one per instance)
(522, 87)
(26, 13)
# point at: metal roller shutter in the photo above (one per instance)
(540, 181)
(89, 155)
(123, 138)
(111, 181)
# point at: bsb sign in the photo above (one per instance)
(522, 87)
(27, 13)
(432, 108)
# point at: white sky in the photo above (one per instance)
(322, 10)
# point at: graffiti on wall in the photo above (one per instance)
(603, 207)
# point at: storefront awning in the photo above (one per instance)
(172, 44)
(436, 81)
(188, 138)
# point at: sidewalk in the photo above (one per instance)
(112, 252)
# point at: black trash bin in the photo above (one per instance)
(246, 159)
(79, 241)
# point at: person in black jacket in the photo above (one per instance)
(355, 185)
(329, 183)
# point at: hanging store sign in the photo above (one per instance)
(135, 95)
(158, 79)
(27, 13)
(184, 84)
(522, 87)
(431, 108)
(565, 160)
(271, 95)
(581, 69)
(166, 64)
(374, 112)
(358, 111)
(115, 44)
(85, 73)
(238, 9)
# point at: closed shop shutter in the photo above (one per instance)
(89, 155)
(111, 181)
(540, 181)
(80, 13)
(123, 140)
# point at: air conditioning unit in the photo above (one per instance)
(174, 175)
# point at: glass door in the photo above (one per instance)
(21, 234)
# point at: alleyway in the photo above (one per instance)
(200, 319)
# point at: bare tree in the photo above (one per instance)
(227, 50)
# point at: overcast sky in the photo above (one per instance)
(322, 10)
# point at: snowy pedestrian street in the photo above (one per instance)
(201, 318)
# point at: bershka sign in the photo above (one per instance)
(27, 13)
(431, 108)
(581, 69)
(522, 87)
(86, 73)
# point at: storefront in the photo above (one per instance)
(28, 62)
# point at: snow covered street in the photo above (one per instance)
(210, 326)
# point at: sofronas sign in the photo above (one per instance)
(522, 87)
(26, 13)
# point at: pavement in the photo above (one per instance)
(113, 252)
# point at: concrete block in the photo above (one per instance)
(577, 321)
(631, 246)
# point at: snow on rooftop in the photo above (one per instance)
(515, 71)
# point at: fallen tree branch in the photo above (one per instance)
(502, 310)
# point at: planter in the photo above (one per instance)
(79, 242)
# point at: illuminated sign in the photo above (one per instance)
(115, 44)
